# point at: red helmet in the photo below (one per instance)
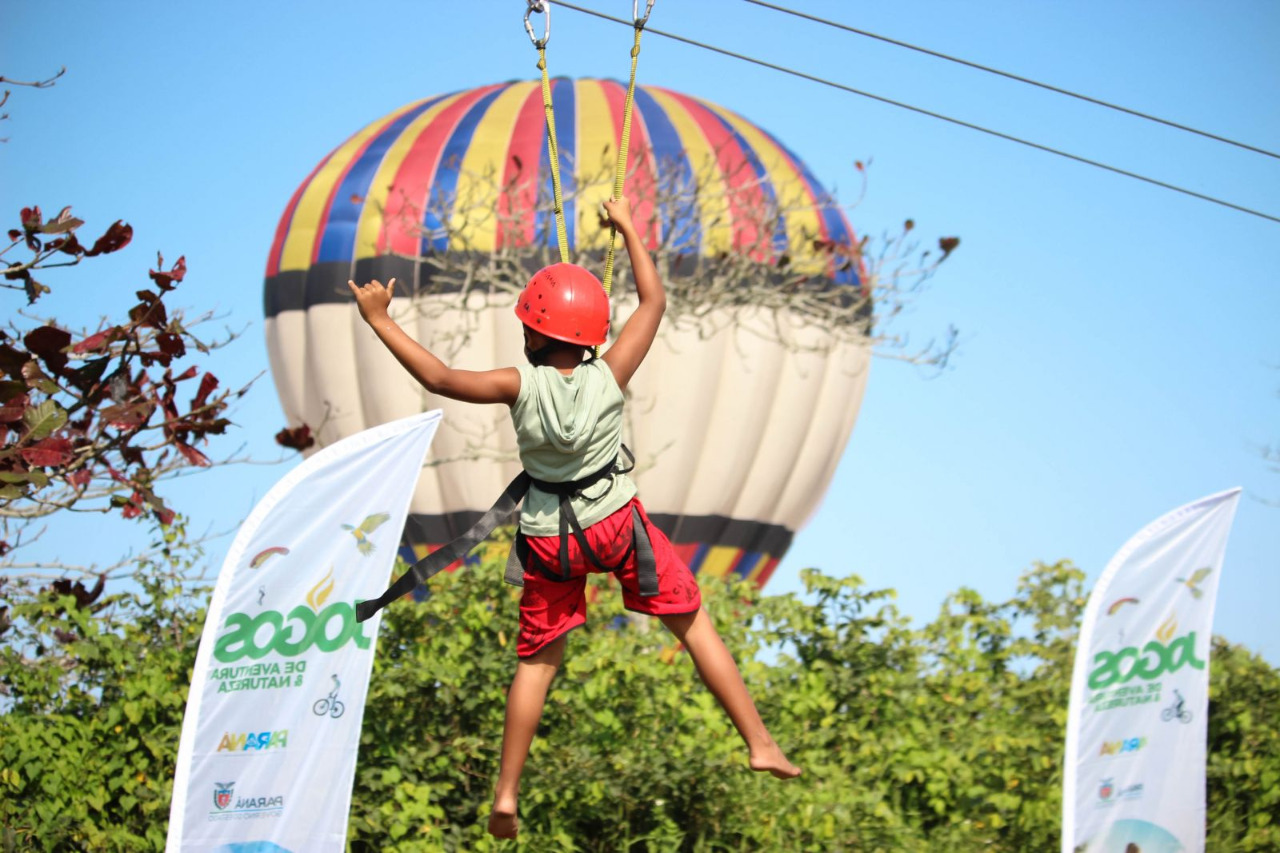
(566, 303)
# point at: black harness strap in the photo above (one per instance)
(432, 564)
(646, 565)
(422, 571)
(516, 559)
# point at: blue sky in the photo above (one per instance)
(1119, 354)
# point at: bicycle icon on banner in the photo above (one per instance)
(330, 704)
(1177, 710)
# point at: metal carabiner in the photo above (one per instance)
(542, 7)
(635, 13)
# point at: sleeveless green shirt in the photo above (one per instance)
(566, 428)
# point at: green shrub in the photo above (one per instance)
(944, 737)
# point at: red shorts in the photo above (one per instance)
(549, 609)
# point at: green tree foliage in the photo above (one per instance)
(92, 690)
(945, 737)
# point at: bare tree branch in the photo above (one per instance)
(751, 267)
(35, 84)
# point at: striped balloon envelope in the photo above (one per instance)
(740, 412)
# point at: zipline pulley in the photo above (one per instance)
(540, 7)
(635, 13)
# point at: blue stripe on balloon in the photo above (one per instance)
(564, 102)
(747, 563)
(675, 178)
(564, 106)
(440, 204)
(407, 554)
(700, 555)
(837, 226)
(339, 240)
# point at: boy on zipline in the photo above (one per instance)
(566, 406)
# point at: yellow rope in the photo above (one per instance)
(553, 149)
(620, 173)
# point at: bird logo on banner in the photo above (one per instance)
(366, 527)
(1193, 583)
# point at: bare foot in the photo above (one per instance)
(770, 759)
(502, 820)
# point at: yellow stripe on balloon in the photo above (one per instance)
(713, 198)
(792, 193)
(375, 205)
(719, 560)
(596, 159)
(473, 222)
(305, 228)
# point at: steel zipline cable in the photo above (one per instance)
(1010, 76)
(921, 111)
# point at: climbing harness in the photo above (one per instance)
(432, 564)
(522, 557)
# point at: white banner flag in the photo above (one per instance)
(1134, 775)
(272, 727)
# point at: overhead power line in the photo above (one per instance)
(920, 110)
(1070, 94)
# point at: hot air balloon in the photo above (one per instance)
(743, 407)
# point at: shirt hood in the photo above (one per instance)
(567, 407)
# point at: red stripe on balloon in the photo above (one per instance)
(519, 194)
(407, 203)
(767, 572)
(687, 552)
(645, 177)
(641, 175)
(745, 197)
(736, 563)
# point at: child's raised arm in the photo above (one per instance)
(633, 342)
(470, 386)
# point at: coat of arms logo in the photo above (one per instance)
(222, 794)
